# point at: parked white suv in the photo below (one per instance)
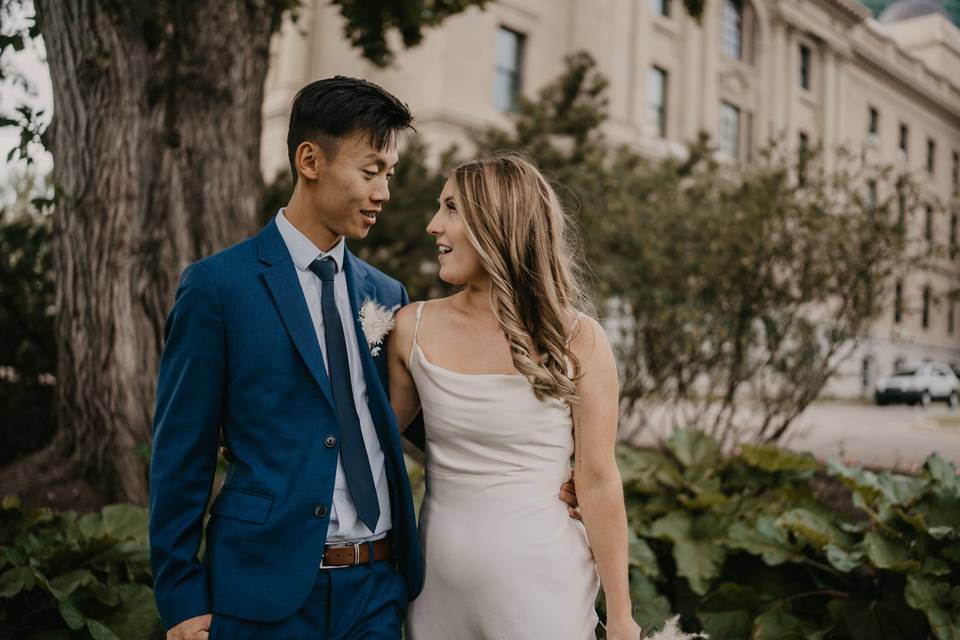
(919, 384)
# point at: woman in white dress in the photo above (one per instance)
(512, 379)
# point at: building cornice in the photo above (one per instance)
(852, 9)
(883, 53)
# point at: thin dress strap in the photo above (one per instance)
(416, 330)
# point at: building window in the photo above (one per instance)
(928, 226)
(803, 154)
(898, 303)
(871, 196)
(953, 236)
(730, 130)
(507, 76)
(732, 35)
(660, 7)
(925, 318)
(657, 101)
(955, 172)
(904, 143)
(901, 211)
(931, 155)
(951, 315)
(805, 67)
(873, 128)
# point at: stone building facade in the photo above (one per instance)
(804, 71)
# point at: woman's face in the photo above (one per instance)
(459, 261)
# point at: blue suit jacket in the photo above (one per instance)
(241, 355)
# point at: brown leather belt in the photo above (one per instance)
(354, 554)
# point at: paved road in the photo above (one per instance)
(892, 436)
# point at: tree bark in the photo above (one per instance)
(156, 146)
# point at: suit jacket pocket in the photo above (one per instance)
(242, 505)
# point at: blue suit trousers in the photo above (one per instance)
(365, 602)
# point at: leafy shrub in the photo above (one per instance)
(67, 577)
(762, 544)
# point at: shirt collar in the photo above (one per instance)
(302, 249)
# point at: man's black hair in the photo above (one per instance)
(327, 110)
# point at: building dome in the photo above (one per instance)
(906, 9)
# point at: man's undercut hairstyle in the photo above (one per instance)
(326, 111)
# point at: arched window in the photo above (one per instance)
(731, 39)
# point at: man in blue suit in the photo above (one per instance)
(313, 534)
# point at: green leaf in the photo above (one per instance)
(780, 625)
(71, 615)
(842, 560)
(763, 539)
(137, 616)
(642, 556)
(699, 562)
(939, 602)
(675, 526)
(935, 567)
(650, 609)
(813, 527)
(694, 448)
(773, 459)
(942, 473)
(66, 583)
(16, 580)
(125, 521)
(866, 618)
(886, 553)
(728, 612)
(100, 631)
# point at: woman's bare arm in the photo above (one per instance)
(599, 486)
(403, 391)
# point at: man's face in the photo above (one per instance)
(352, 186)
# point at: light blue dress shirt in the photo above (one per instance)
(344, 523)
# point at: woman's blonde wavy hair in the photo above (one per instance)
(527, 246)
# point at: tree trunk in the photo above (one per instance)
(156, 146)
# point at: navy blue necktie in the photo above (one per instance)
(353, 452)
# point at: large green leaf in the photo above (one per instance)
(942, 473)
(100, 631)
(66, 583)
(940, 513)
(843, 560)
(939, 601)
(137, 618)
(867, 618)
(894, 488)
(887, 553)
(816, 528)
(650, 609)
(698, 561)
(674, 526)
(642, 556)
(773, 459)
(778, 624)
(728, 612)
(16, 580)
(72, 615)
(763, 539)
(693, 448)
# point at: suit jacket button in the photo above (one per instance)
(320, 511)
(330, 442)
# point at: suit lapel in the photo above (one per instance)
(284, 285)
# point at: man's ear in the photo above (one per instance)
(310, 160)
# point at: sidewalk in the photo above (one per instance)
(890, 437)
